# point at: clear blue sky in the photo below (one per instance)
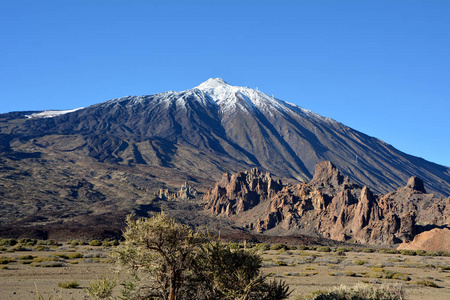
(381, 67)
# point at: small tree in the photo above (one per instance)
(170, 261)
(158, 251)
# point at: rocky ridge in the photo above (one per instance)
(330, 206)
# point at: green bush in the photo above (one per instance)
(8, 242)
(359, 292)
(280, 263)
(427, 283)
(302, 247)
(43, 259)
(279, 247)
(74, 255)
(69, 285)
(27, 242)
(101, 289)
(113, 243)
(47, 243)
(360, 262)
(407, 252)
(323, 249)
(5, 260)
(343, 249)
(389, 251)
(367, 250)
(48, 264)
(421, 252)
(262, 247)
(95, 243)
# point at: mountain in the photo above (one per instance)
(108, 159)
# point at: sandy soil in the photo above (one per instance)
(305, 272)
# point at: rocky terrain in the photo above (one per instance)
(330, 206)
(79, 172)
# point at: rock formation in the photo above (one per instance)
(329, 206)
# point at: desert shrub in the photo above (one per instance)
(323, 249)
(41, 248)
(61, 255)
(389, 251)
(349, 273)
(113, 243)
(367, 250)
(75, 242)
(101, 289)
(48, 264)
(26, 241)
(343, 249)
(279, 247)
(280, 263)
(5, 260)
(69, 285)
(43, 259)
(376, 269)
(426, 282)
(168, 260)
(95, 243)
(359, 292)
(74, 255)
(407, 252)
(19, 247)
(262, 247)
(359, 262)
(47, 242)
(302, 247)
(421, 252)
(8, 242)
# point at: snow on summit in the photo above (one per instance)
(229, 97)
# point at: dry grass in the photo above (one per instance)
(306, 270)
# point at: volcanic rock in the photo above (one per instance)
(329, 206)
(437, 239)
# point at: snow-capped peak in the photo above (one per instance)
(230, 97)
(211, 84)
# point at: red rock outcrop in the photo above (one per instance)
(329, 206)
(432, 240)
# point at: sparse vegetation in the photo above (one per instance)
(323, 249)
(360, 262)
(69, 285)
(359, 292)
(101, 289)
(95, 243)
(427, 282)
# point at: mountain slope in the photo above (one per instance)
(234, 128)
(113, 156)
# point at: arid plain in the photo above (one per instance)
(424, 275)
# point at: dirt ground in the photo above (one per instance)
(304, 270)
